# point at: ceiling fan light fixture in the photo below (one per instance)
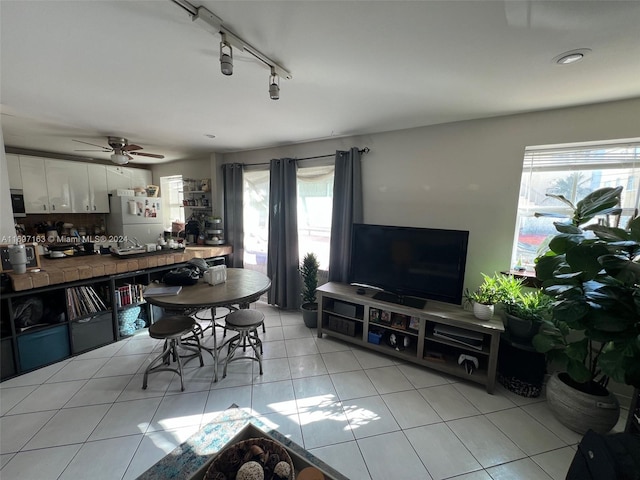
(274, 87)
(226, 57)
(572, 56)
(119, 159)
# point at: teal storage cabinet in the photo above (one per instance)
(43, 347)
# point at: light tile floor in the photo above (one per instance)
(368, 415)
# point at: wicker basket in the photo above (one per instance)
(231, 459)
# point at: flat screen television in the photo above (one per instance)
(409, 264)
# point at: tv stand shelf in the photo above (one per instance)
(362, 319)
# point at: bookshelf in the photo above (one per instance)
(44, 325)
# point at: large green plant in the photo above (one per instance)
(592, 273)
(309, 271)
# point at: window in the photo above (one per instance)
(315, 204)
(315, 200)
(571, 172)
(255, 197)
(171, 194)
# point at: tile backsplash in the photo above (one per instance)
(89, 221)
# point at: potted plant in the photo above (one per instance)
(309, 271)
(484, 298)
(592, 273)
(525, 313)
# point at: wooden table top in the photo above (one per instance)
(242, 286)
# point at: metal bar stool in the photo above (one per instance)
(246, 323)
(171, 329)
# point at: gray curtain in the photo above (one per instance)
(233, 220)
(282, 256)
(347, 210)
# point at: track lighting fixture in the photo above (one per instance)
(274, 87)
(214, 24)
(226, 56)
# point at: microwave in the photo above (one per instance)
(17, 203)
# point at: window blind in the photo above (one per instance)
(592, 157)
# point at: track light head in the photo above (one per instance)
(226, 57)
(274, 87)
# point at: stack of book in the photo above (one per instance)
(129, 294)
(84, 301)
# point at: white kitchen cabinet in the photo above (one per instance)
(13, 167)
(34, 185)
(61, 175)
(138, 177)
(126, 177)
(98, 190)
(117, 177)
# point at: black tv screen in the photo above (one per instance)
(404, 261)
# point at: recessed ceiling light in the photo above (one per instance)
(573, 56)
(209, 135)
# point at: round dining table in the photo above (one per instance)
(242, 287)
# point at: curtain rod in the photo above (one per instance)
(362, 150)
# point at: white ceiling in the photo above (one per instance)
(143, 70)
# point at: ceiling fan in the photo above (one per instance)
(121, 149)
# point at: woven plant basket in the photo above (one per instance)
(232, 458)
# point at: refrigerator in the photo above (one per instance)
(134, 217)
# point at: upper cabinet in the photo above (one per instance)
(139, 177)
(63, 186)
(117, 178)
(98, 191)
(13, 167)
(34, 185)
(67, 185)
(127, 177)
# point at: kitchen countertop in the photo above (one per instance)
(72, 269)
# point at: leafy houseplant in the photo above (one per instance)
(490, 292)
(592, 274)
(309, 271)
(486, 294)
(525, 314)
(594, 280)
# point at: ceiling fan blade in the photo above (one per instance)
(130, 147)
(154, 155)
(106, 149)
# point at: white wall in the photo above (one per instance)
(7, 225)
(463, 175)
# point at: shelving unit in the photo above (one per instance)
(66, 331)
(198, 206)
(364, 321)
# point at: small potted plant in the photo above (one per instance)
(309, 271)
(484, 298)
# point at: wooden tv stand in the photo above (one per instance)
(359, 319)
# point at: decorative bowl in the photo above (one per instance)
(266, 452)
